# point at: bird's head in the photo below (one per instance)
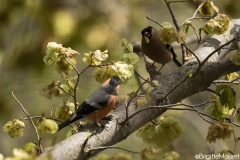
(115, 81)
(147, 32)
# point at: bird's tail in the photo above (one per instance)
(64, 124)
(177, 62)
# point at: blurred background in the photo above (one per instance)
(26, 26)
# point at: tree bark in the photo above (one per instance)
(177, 86)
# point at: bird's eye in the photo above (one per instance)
(148, 35)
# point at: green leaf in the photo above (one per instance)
(168, 33)
(50, 57)
(129, 48)
(155, 153)
(219, 131)
(163, 133)
(220, 88)
(123, 43)
(235, 58)
(231, 76)
(226, 96)
(47, 126)
(185, 27)
(70, 84)
(218, 110)
(207, 8)
(101, 56)
(62, 66)
(218, 25)
(55, 52)
(14, 128)
(103, 73)
(171, 156)
(123, 70)
(95, 58)
(52, 53)
(51, 90)
(64, 111)
(130, 58)
(20, 154)
(31, 148)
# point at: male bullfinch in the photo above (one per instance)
(98, 104)
(155, 49)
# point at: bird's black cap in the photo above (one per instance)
(147, 31)
(115, 81)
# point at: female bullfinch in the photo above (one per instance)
(98, 104)
(155, 49)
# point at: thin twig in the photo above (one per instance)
(58, 85)
(192, 54)
(191, 108)
(136, 93)
(235, 124)
(75, 87)
(184, 53)
(199, 113)
(172, 14)
(154, 21)
(210, 90)
(34, 126)
(177, 1)
(78, 77)
(235, 142)
(226, 81)
(194, 17)
(138, 78)
(195, 32)
(175, 87)
(38, 117)
(166, 107)
(176, 23)
(139, 75)
(235, 105)
(114, 147)
(51, 113)
(66, 58)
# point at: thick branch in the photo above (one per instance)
(79, 145)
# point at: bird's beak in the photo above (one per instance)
(146, 39)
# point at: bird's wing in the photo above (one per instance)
(94, 102)
(170, 48)
(98, 99)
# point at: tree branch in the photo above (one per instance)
(74, 147)
(30, 119)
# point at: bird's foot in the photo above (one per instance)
(108, 118)
(159, 72)
(99, 124)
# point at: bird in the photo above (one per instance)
(98, 104)
(155, 49)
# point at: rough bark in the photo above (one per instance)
(78, 146)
